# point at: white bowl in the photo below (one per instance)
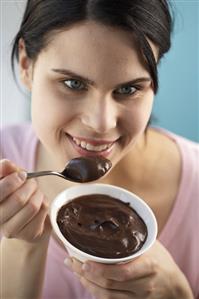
(143, 210)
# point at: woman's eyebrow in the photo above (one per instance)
(74, 75)
(135, 81)
(89, 81)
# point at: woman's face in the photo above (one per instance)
(91, 94)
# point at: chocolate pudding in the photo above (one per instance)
(102, 226)
(86, 169)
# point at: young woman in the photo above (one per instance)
(91, 69)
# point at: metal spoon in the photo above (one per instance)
(81, 169)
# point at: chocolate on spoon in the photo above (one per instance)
(80, 170)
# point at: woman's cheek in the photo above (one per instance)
(49, 108)
(136, 118)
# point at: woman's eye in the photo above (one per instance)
(74, 84)
(126, 90)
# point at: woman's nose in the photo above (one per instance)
(100, 115)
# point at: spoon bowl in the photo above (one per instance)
(79, 170)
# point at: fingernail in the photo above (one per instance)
(86, 267)
(22, 175)
(68, 262)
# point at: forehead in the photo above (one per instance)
(94, 47)
(91, 33)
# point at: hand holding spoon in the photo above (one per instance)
(79, 170)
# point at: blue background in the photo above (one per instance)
(176, 105)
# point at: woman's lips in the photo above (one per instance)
(90, 148)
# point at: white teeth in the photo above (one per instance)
(83, 144)
(91, 147)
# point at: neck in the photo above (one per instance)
(131, 168)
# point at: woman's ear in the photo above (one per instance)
(25, 66)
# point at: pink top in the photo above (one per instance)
(180, 234)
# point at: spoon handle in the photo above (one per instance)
(39, 173)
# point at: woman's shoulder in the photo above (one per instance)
(185, 142)
(188, 147)
(186, 152)
(179, 230)
(18, 142)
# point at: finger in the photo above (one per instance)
(138, 268)
(102, 293)
(142, 286)
(16, 201)
(75, 265)
(47, 225)
(35, 228)
(11, 183)
(24, 216)
(7, 167)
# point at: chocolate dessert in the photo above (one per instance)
(86, 169)
(102, 226)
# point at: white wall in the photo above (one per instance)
(14, 103)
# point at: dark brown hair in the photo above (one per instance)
(146, 19)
